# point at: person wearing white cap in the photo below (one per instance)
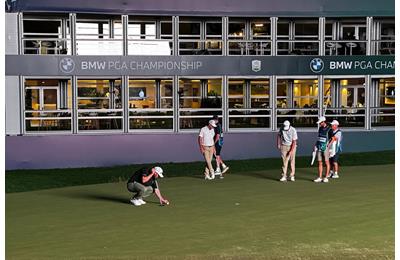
(143, 183)
(206, 144)
(321, 146)
(287, 143)
(335, 145)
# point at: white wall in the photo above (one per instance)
(11, 33)
(13, 112)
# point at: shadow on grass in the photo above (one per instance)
(101, 197)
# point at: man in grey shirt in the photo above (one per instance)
(286, 143)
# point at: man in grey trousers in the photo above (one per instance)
(143, 183)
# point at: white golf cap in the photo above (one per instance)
(286, 125)
(321, 119)
(159, 171)
(212, 122)
(335, 122)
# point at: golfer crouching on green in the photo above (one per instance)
(143, 183)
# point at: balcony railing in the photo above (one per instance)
(45, 46)
(249, 47)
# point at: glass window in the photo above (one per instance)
(327, 93)
(282, 93)
(283, 29)
(166, 87)
(213, 29)
(166, 30)
(237, 30)
(48, 104)
(236, 93)
(305, 29)
(352, 93)
(189, 29)
(99, 104)
(39, 33)
(260, 29)
(199, 100)
(305, 94)
(142, 30)
(142, 93)
(386, 92)
(259, 93)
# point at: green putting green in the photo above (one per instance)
(246, 215)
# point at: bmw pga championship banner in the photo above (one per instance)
(27, 65)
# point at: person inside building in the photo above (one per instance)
(143, 183)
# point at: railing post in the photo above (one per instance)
(321, 36)
(274, 23)
(125, 44)
(367, 102)
(72, 21)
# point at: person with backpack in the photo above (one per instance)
(335, 145)
(321, 146)
(287, 143)
(219, 141)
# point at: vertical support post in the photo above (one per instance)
(321, 35)
(274, 23)
(176, 102)
(368, 84)
(72, 22)
(125, 102)
(20, 33)
(225, 111)
(321, 111)
(125, 21)
(273, 87)
(369, 35)
(175, 35)
(74, 86)
(225, 32)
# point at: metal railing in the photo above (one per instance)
(150, 47)
(100, 119)
(200, 47)
(249, 47)
(346, 47)
(151, 118)
(249, 118)
(46, 46)
(99, 47)
(297, 47)
(48, 120)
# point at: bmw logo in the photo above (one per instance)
(317, 65)
(67, 65)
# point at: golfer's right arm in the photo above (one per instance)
(200, 141)
(278, 141)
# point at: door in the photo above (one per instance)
(41, 98)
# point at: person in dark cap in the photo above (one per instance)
(219, 141)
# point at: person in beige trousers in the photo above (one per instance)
(287, 143)
(206, 144)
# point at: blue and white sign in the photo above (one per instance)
(67, 65)
(317, 65)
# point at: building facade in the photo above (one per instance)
(133, 83)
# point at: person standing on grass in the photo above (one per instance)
(219, 141)
(335, 145)
(143, 183)
(321, 146)
(207, 149)
(287, 142)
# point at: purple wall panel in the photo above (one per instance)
(59, 151)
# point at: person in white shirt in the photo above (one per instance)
(287, 143)
(335, 146)
(206, 144)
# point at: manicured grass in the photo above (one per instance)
(247, 215)
(27, 180)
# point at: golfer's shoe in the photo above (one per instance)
(136, 202)
(318, 179)
(221, 176)
(207, 177)
(212, 176)
(217, 171)
(142, 201)
(225, 169)
(330, 174)
(283, 178)
(325, 180)
(292, 178)
(335, 176)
